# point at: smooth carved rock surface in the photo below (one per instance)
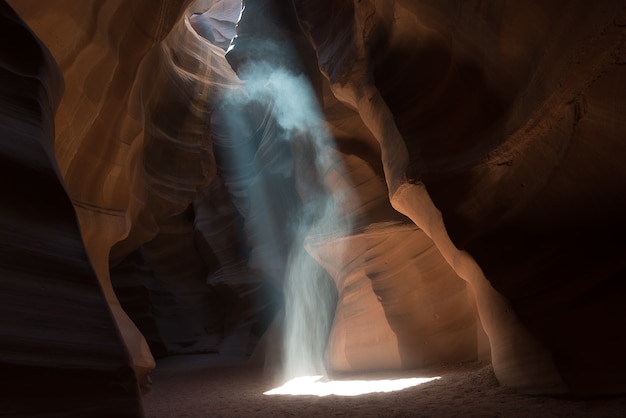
(400, 305)
(489, 136)
(486, 129)
(98, 140)
(114, 128)
(60, 350)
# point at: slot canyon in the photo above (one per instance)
(202, 198)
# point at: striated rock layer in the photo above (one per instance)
(60, 350)
(481, 121)
(400, 305)
(472, 152)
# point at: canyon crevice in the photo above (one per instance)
(157, 179)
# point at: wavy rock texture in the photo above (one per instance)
(400, 306)
(112, 128)
(95, 130)
(482, 115)
(60, 351)
(474, 147)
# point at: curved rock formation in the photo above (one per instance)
(444, 159)
(474, 147)
(110, 76)
(60, 350)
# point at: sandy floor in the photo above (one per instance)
(218, 386)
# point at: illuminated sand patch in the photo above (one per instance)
(315, 385)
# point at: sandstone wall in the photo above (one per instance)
(484, 139)
(60, 348)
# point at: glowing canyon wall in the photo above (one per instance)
(473, 152)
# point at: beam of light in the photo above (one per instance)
(270, 128)
(316, 386)
(309, 295)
